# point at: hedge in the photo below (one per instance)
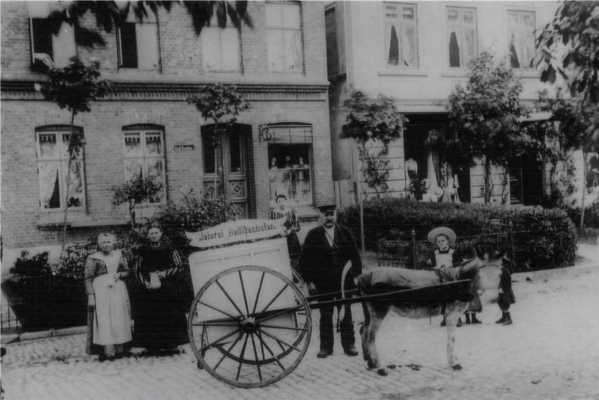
(543, 238)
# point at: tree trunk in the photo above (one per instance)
(488, 187)
(585, 156)
(68, 184)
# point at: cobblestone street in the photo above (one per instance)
(550, 352)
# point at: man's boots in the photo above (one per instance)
(508, 319)
(467, 317)
(475, 320)
(503, 317)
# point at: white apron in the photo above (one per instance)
(112, 322)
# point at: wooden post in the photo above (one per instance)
(414, 248)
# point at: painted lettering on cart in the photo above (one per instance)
(237, 231)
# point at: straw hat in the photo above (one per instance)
(448, 232)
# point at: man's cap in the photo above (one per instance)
(327, 208)
(448, 232)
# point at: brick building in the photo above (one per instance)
(280, 146)
(416, 52)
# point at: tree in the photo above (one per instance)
(569, 46)
(220, 104)
(572, 130)
(373, 122)
(135, 191)
(73, 88)
(109, 14)
(487, 115)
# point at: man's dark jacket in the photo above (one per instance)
(316, 263)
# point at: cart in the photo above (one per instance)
(250, 324)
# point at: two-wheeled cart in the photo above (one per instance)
(250, 324)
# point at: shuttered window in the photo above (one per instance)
(127, 45)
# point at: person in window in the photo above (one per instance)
(160, 324)
(107, 294)
(593, 172)
(292, 226)
(327, 248)
(441, 258)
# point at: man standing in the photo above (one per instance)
(327, 248)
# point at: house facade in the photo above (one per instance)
(417, 52)
(279, 148)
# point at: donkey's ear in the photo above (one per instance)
(499, 254)
(478, 253)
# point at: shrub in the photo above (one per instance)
(28, 266)
(542, 238)
(72, 261)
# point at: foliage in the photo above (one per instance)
(36, 265)
(569, 45)
(137, 190)
(109, 14)
(191, 213)
(72, 261)
(486, 115)
(542, 238)
(216, 102)
(372, 122)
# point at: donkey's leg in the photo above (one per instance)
(368, 333)
(452, 314)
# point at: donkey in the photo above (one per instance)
(483, 272)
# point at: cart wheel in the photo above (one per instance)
(249, 326)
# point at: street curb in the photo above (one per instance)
(37, 335)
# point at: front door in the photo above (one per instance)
(226, 165)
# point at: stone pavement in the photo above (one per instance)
(551, 352)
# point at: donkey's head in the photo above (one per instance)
(484, 272)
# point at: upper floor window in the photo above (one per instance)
(138, 42)
(401, 45)
(46, 47)
(284, 37)
(221, 47)
(144, 155)
(461, 34)
(521, 39)
(53, 169)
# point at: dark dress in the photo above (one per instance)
(507, 297)
(159, 314)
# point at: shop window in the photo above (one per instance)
(521, 28)
(461, 35)
(290, 174)
(284, 37)
(221, 47)
(138, 43)
(144, 156)
(401, 46)
(53, 169)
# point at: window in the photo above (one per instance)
(290, 174)
(52, 165)
(144, 156)
(221, 47)
(521, 27)
(461, 35)
(59, 48)
(138, 43)
(284, 37)
(401, 46)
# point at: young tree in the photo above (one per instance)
(220, 104)
(487, 115)
(572, 130)
(135, 191)
(569, 46)
(110, 14)
(373, 122)
(73, 88)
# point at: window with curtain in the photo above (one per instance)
(461, 36)
(59, 48)
(401, 42)
(221, 47)
(521, 39)
(138, 42)
(54, 173)
(284, 37)
(144, 156)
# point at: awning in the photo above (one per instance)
(289, 133)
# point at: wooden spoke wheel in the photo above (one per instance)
(249, 326)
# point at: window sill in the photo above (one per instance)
(457, 73)
(76, 221)
(405, 73)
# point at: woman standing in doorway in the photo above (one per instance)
(160, 323)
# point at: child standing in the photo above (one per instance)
(442, 258)
(506, 296)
